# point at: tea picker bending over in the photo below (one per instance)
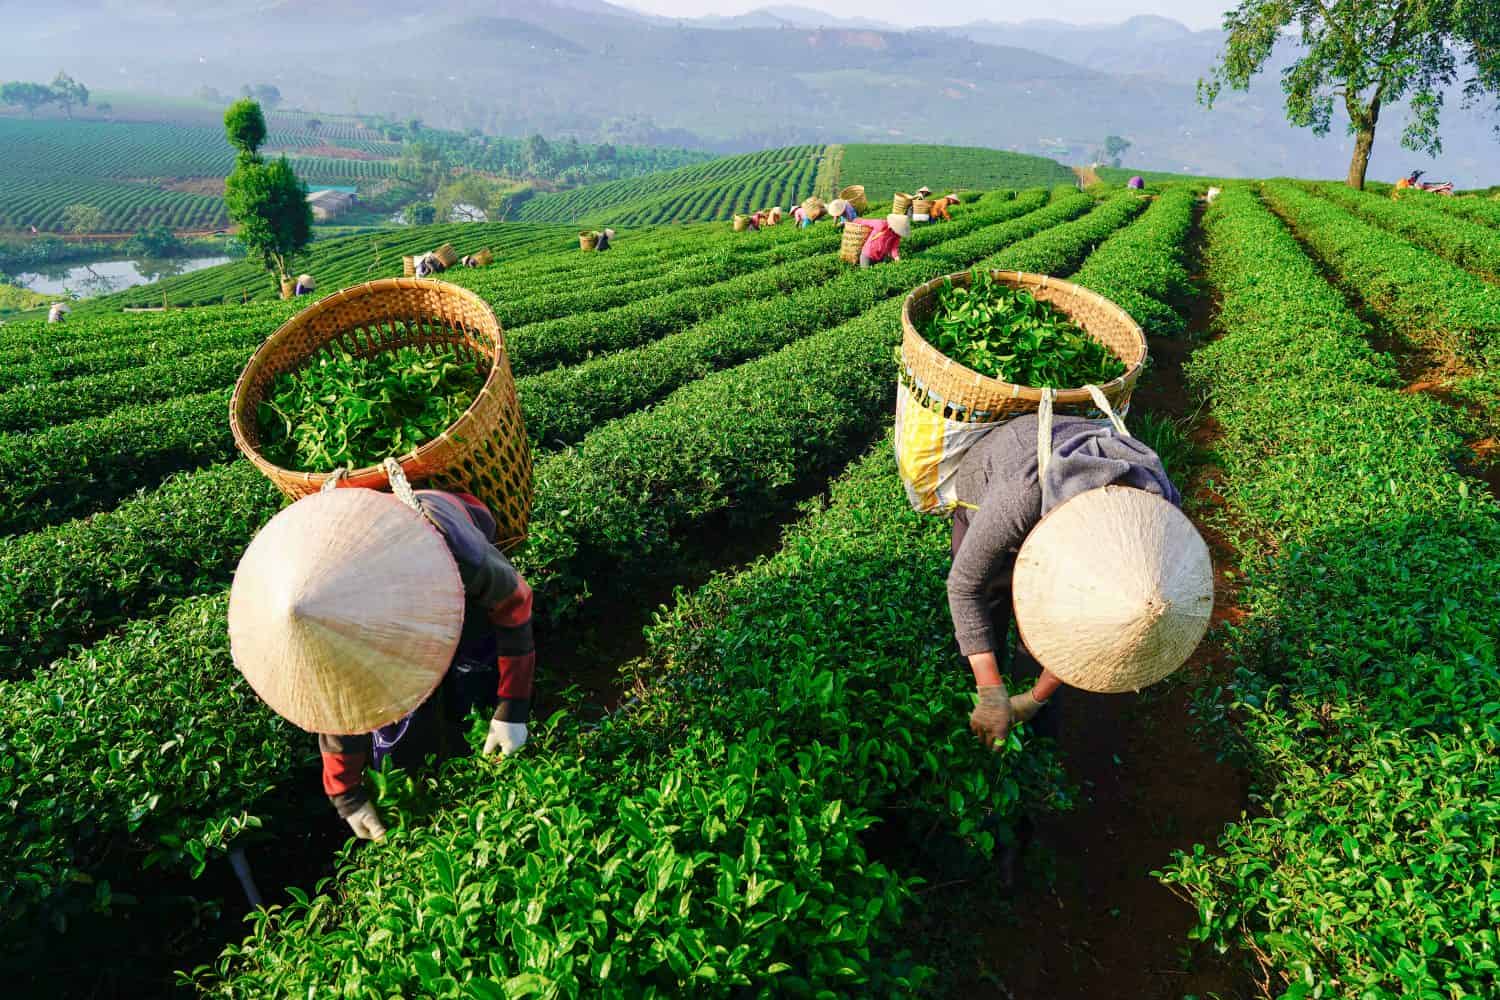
(884, 241)
(1076, 526)
(380, 623)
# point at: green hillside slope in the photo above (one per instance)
(713, 190)
(886, 169)
(784, 177)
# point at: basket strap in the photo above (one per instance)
(1102, 401)
(1044, 433)
(402, 490)
(332, 482)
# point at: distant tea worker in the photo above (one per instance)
(884, 241)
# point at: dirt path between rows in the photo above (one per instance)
(1087, 176)
(1102, 926)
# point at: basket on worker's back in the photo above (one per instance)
(853, 242)
(446, 255)
(588, 240)
(854, 194)
(741, 223)
(814, 209)
(921, 210)
(408, 267)
(484, 258)
(944, 408)
(901, 204)
(484, 453)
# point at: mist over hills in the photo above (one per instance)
(778, 75)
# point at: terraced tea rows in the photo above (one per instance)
(738, 450)
(762, 818)
(714, 190)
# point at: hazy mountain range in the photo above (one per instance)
(781, 74)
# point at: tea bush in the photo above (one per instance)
(1470, 246)
(1367, 693)
(1412, 288)
(714, 840)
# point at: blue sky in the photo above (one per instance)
(1194, 13)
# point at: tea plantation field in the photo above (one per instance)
(761, 818)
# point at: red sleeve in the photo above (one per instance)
(344, 760)
(517, 660)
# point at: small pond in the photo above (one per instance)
(104, 276)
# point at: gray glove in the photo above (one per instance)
(990, 720)
(1023, 707)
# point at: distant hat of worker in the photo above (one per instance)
(953, 198)
(837, 207)
(609, 234)
(1136, 182)
(345, 611)
(307, 282)
(924, 191)
(900, 223)
(1113, 590)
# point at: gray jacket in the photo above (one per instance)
(999, 477)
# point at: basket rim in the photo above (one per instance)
(368, 473)
(1026, 392)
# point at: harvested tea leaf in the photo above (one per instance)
(347, 411)
(1009, 334)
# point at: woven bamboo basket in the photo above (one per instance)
(484, 258)
(854, 194)
(901, 204)
(741, 223)
(588, 240)
(288, 286)
(446, 255)
(853, 242)
(484, 453)
(964, 394)
(408, 267)
(769, 218)
(814, 207)
(921, 209)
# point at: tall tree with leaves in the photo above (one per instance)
(69, 92)
(266, 200)
(1366, 55)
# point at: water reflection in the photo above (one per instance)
(104, 276)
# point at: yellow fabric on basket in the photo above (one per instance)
(929, 450)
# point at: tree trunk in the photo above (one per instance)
(1360, 162)
(1364, 119)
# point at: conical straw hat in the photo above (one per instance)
(345, 611)
(1113, 590)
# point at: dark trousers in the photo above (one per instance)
(1015, 660)
(437, 727)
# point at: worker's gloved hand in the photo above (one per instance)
(505, 737)
(365, 822)
(990, 720)
(1023, 707)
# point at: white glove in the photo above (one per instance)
(507, 737)
(365, 822)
